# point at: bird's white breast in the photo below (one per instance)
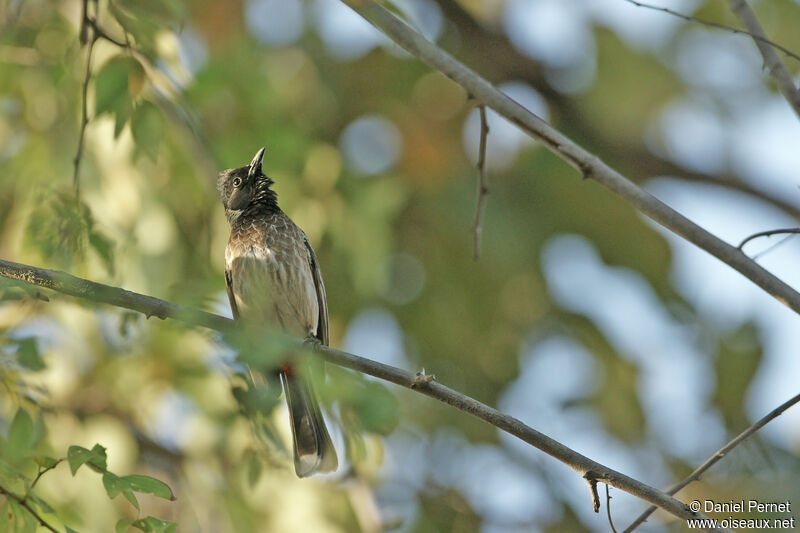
(275, 288)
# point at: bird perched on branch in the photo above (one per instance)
(273, 278)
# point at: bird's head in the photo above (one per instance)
(247, 186)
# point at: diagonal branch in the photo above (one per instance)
(722, 452)
(23, 502)
(772, 60)
(507, 63)
(688, 18)
(98, 292)
(591, 470)
(588, 164)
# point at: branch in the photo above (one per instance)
(24, 503)
(506, 62)
(730, 181)
(150, 306)
(722, 452)
(767, 234)
(86, 23)
(591, 479)
(587, 163)
(97, 292)
(757, 36)
(777, 69)
(100, 33)
(608, 510)
(483, 185)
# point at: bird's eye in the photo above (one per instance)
(237, 182)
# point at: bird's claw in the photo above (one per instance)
(312, 343)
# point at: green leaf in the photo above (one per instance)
(117, 84)
(43, 505)
(143, 31)
(739, 357)
(9, 473)
(253, 470)
(150, 524)
(70, 530)
(20, 435)
(123, 525)
(131, 497)
(28, 354)
(122, 114)
(58, 227)
(114, 485)
(25, 522)
(378, 410)
(148, 485)
(353, 434)
(257, 399)
(113, 85)
(162, 11)
(261, 348)
(147, 126)
(6, 517)
(77, 456)
(45, 462)
(104, 248)
(363, 402)
(156, 525)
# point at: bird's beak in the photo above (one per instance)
(255, 165)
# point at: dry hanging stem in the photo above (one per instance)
(483, 185)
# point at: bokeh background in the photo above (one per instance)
(582, 318)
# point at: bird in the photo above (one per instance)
(273, 278)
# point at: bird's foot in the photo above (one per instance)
(312, 343)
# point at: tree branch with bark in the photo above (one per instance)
(777, 69)
(587, 163)
(633, 157)
(590, 469)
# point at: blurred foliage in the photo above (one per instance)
(190, 88)
(22, 467)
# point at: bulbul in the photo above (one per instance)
(273, 277)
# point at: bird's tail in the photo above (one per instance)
(313, 448)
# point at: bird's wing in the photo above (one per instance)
(322, 300)
(229, 288)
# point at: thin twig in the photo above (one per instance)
(722, 452)
(768, 233)
(24, 503)
(150, 306)
(587, 163)
(769, 249)
(39, 475)
(756, 36)
(506, 62)
(483, 185)
(591, 479)
(608, 509)
(89, 38)
(100, 33)
(86, 23)
(772, 60)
